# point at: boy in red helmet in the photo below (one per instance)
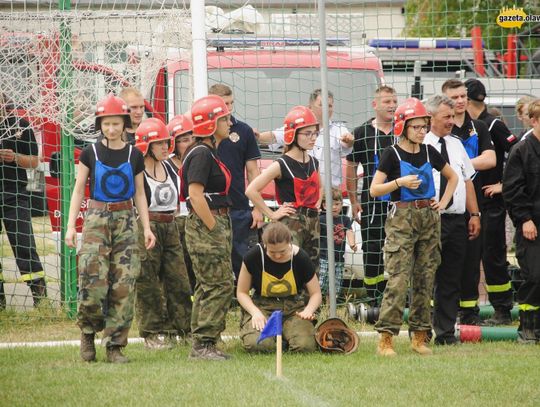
(163, 304)
(109, 260)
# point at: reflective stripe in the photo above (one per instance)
(32, 276)
(528, 307)
(499, 288)
(468, 304)
(373, 280)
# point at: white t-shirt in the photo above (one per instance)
(460, 163)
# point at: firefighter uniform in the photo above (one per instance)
(521, 192)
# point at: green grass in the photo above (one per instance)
(501, 374)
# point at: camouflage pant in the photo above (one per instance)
(412, 253)
(163, 303)
(298, 333)
(109, 264)
(210, 253)
(305, 233)
(181, 225)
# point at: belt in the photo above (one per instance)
(309, 212)
(110, 206)
(161, 217)
(418, 204)
(216, 211)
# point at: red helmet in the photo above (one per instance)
(179, 125)
(299, 117)
(149, 131)
(205, 112)
(112, 106)
(412, 108)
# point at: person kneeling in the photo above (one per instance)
(278, 272)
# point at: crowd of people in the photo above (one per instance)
(172, 230)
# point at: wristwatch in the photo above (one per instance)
(476, 214)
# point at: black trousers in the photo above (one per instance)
(470, 277)
(449, 275)
(372, 226)
(16, 217)
(528, 256)
(494, 254)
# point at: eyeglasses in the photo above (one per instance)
(419, 127)
(309, 134)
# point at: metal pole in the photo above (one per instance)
(198, 46)
(327, 159)
(68, 280)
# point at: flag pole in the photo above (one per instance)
(279, 352)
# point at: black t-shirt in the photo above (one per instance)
(469, 127)
(17, 135)
(390, 163)
(285, 184)
(367, 141)
(111, 158)
(503, 140)
(342, 224)
(302, 268)
(200, 167)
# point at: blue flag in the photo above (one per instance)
(273, 326)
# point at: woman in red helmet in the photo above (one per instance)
(181, 130)
(298, 185)
(205, 186)
(412, 245)
(163, 304)
(109, 260)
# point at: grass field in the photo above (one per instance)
(501, 374)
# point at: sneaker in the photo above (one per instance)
(500, 317)
(207, 351)
(153, 342)
(88, 347)
(114, 355)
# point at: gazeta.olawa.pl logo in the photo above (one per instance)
(515, 17)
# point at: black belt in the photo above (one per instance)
(309, 212)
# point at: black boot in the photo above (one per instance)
(537, 325)
(2, 297)
(499, 317)
(38, 289)
(526, 327)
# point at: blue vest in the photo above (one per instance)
(426, 190)
(113, 184)
(471, 144)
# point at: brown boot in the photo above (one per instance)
(114, 355)
(385, 347)
(207, 351)
(418, 343)
(88, 348)
(154, 342)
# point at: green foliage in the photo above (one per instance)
(455, 18)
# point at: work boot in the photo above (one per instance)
(38, 289)
(418, 343)
(525, 330)
(88, 347)
(207, 351)
(385, 347)
(469, 318)
(153, 342)
(114, 355)
(2, 296)
(537, 326)
(499, 317)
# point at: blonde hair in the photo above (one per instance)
(534, 109)
(130, 90)
(276, 232)
(220, 89)
(522, 101)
